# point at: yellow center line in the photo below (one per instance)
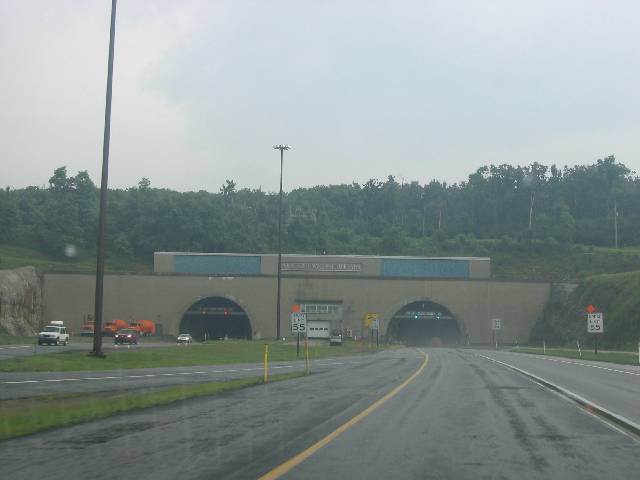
(302, 456)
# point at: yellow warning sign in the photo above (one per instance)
(369, 319)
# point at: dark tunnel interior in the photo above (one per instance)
(424, 323)
(217, 317)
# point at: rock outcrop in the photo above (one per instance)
(20, 301)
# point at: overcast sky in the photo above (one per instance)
(361, 89)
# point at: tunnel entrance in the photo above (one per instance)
(424, 323)
(217, 317)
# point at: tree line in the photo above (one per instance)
(499, 207)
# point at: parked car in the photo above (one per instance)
(126, 335)
(54, 334)
(335, 339)
(185, 338)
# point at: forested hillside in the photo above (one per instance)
(563, 321)
(500, 210)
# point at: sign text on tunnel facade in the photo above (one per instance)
(322, 266)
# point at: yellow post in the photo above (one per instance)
(306, 356)
(266, 363)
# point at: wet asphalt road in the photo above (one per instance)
(613, 386)
(24, 385)
(462, 417)
(76, 344)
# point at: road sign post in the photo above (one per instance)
(298, 326)
(496, 326)
(375, 324)
(306, 356)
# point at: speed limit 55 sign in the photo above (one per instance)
(298, 322)
(595, 322)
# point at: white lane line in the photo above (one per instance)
(63, 380)
(599, 367)
(152, 375)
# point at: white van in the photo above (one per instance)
(54, 334)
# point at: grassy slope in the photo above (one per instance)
(570, 266)
(625, 358)
(191, 355)
(13, 257)
(25, 416)
(6, 339)
(616, 295)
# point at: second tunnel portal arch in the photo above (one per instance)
(424, 322)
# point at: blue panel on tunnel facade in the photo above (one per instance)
(218, 264)
(424, 268)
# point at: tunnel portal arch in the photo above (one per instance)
(425, 322)
(216, 317)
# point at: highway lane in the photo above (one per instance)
(613, 386)
(462, 417)
(10, 351)
(469, 418)
(23, 385)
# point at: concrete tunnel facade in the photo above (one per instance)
(339, 290)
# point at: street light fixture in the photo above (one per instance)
(282, 148)
(97, 332)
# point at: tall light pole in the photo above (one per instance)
(282, 148)
(97, 332)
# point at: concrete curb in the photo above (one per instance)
(618, 420)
